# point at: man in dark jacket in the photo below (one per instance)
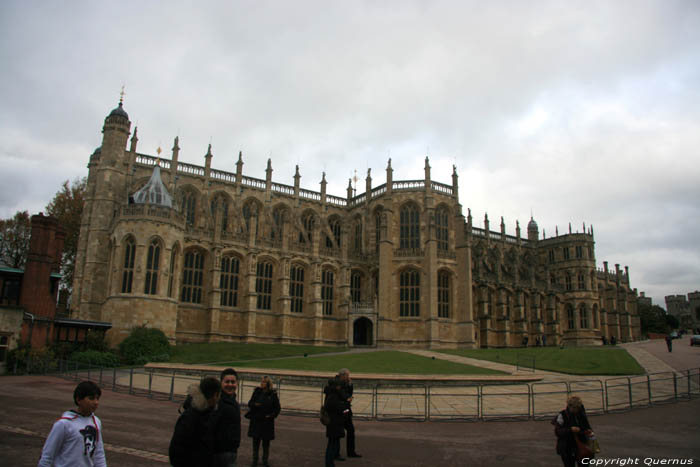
(571, 423)
(336, 407)
(192, 444)
(227, 427)
(346, 391)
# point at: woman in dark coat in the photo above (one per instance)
(263, 408)
(336, 407)
(568, 425)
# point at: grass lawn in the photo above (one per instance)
(233, 351)
(576, 361)
(385, 361)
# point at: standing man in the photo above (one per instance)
(669, 343)
(346, 392)
(227, 427)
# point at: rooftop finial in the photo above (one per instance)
(121, 96)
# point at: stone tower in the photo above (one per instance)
(106, 191)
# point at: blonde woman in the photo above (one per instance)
(263, 408)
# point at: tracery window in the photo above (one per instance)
(566, 252)
(356, 287)
(171, 277)
(579, 252)
(309, 223)
(228, 282)
(263, 285)
(568, 281)
(334, 225)
(152, 264)
(327, 295)
(444, 294)
(551, 256)
(570, 316)
(189, 203)
(584, 316)
(409, 227)
(409, 293)
(128, 269)
(192, 277)
(442, 229)
(357, 235)
(296, 288)
(581, 282)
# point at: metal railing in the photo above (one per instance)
(407, 401)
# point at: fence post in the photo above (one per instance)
(131, 380)
(427, 402)
(376, 401)
(530, 402)
(114, 378)
(629, 390)
(150, 383)
(479, 402)
(688, 373)
(675, 386)
(172, 386)
(649, 387)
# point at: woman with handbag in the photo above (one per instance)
(263, 408)
(573, 433)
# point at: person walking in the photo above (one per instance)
(337, 407)
(76, 437)
(669, 343)
(569, 425)
(227, 425)
(346, 391)
(192, 444)
(263, 408)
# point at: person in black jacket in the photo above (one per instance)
(227, 427)
(337, 407)
(263, 408)
(192, 444)
(569, 424)
(346, 391)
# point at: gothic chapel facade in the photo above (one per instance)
(207, 255)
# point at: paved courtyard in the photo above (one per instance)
(137, 429)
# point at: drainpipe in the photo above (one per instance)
(31, 327)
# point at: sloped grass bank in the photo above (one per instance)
(382, 362)
(222, 352)
(571, 360)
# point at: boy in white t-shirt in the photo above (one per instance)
(76, 437)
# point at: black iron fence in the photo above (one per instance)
(539, 400)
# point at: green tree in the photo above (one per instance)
(67, 207)
(653, 319)
(144, 345)
(14, 239)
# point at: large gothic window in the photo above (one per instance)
(152, 263)
(309, 223)
(250, 216)
(228, 283)
(327, 294)
(409, 227)
(581, 282)
(192, 277)
(263, 285)
(357, 235)
(189, 202)
(296, 288)
(443, 294)
(570, 316)
(442, 229)
(583, 311)
(356, 287)
(567, 281)
(171, 277)
(334, 225)
(409, 293)
(128, 270)
(278, 215)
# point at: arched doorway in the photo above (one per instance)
(362, 332)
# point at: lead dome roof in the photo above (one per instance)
(154, 191)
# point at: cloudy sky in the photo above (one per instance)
(573, 111)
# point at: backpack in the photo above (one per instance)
(324, 416)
